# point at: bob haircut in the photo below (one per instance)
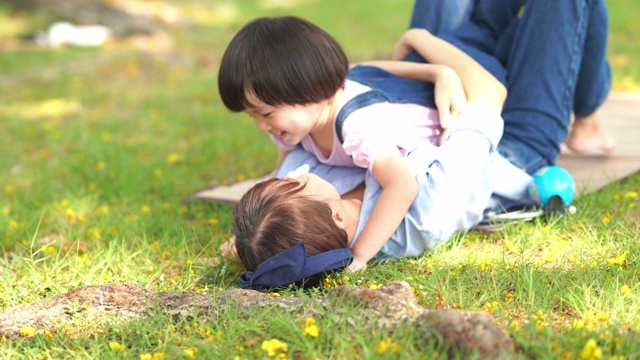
(283, 61)
(273, 217)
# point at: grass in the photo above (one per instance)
(101, 147)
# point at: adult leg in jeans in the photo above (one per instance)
(499, 29)
(543, 65)
(439, 16)
(586, 134)
(491, 28)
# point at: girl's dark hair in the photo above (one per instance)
(283, 61)
(273, 216)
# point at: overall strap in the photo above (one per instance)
(365, 99)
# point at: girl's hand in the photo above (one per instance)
(450, 98)
(228, 249)
(357, 265)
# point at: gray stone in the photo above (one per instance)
(384, 309)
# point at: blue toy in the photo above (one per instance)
(552, 185)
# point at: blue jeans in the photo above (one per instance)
(552, 58)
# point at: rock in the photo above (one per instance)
(387, 308)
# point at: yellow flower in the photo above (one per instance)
(387, 345)
(70, 214)
(591, 350)
(491, 307)
(625, 290)
(274, 346)
(94, 233)
(631, 195)
(190, 352)
(174, 158)
(61, 204)
(212, 222)
(541, 321)
(102, 210)
(27, 331)
(621, 259)
(116, 346)
(3, 340)
(310, 328)
(602, 316)
(606, 218)
(145, 208)
(105, 136)
(515, 325)
(204, 331)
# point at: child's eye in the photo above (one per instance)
(267, 114)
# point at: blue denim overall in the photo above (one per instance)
(385, 87)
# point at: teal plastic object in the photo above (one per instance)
(550, 182)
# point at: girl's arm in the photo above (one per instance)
(399, 189)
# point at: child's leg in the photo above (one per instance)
(543, 67)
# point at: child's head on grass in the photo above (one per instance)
(276, 215)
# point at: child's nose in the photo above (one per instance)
(263, 125)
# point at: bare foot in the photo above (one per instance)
(587, 136)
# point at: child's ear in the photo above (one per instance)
(340, 218)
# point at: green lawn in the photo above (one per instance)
(100, 148)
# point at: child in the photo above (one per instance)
(291, 77)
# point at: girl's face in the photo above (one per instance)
(289, 123)
(318, 188)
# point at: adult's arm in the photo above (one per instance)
(449, 94)
(478, 83)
